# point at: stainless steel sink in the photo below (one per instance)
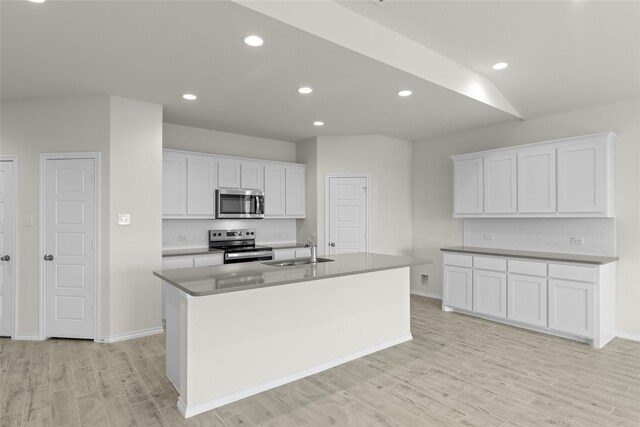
(294, 262)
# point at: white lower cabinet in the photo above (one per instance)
(527, 299)
(490, 293)
(571, 307)
(570, 299)
(458, 287)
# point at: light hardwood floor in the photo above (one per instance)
(456, 370)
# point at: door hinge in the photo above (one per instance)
(93, 310)
(93, 177)
(93, 244)
(364, 188)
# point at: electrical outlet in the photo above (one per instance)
(576, 240)
(448, 235)
(487, 236)
(182, 237)
(124, 219)
(424, 279)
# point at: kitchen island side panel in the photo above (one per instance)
(245, 341)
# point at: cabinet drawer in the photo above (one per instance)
(487, 263)
(573, 272)
(169, 263)
(459, 260)
(303, 253)
(528, 267)
(207, 260)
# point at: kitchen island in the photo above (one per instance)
(238, 329)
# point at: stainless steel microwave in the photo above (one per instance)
(233, 203)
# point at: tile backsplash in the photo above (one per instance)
(543, 234)
(193, 233)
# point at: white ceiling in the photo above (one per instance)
(155, 51)
(563, 55)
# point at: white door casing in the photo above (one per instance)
(348, 214)
(7, 245)
(69, 242)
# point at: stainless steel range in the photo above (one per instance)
(239, 245)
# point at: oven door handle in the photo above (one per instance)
(249, 254)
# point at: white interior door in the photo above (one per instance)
(7, 256)
(348, 215)
(69, 248)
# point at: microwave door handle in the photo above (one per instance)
(259, 207)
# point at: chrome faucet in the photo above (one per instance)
(313, 246)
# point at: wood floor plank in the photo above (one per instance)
(457, 370)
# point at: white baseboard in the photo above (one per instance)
(425, 294)
(190, 411)
(131, 335)
(628, 335)
(27, 337)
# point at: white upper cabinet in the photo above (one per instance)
(571, 177)
(229, 173)
(537, 181)
(295, 191)
(500, 184)
(201, 176)
(174, 184)
(468, 186)
(581, 178)
(190, 181)
(274, 190)
(251, 175)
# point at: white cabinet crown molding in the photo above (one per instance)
(593, 137)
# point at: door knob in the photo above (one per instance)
(48, 257)
(5, 258)
(332, 244)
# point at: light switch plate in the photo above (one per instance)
(124, 219)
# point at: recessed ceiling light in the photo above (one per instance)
(253, 40)
(405, 92)
(318, 123)
(37, 1)
(500, 66)
(304, 90)
(189, 97)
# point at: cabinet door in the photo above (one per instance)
(468, 198)
(295, 190)
(581, 178)
(174, 184)
(458, 287)
(571, 307)
(500, 184)
(229, 173)
(274, 190)
(490, 293)
(251, 175)
(200, 185)
(527, 299)
(537, 181)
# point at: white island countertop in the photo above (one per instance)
(201, 281)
